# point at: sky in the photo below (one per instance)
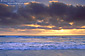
(43, 17)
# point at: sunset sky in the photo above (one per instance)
(43, 17)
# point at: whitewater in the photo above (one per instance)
(42, 42)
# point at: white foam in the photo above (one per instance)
(41, 46)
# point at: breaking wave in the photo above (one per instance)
(41, 46)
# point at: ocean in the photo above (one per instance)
(42, 45)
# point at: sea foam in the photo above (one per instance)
(41, 46)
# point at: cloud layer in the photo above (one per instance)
(57, 14)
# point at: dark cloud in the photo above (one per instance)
(9, 17)
(57, 9)
(57, 14)
(76, 13)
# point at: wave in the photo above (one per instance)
(43, 36)
(41, 46)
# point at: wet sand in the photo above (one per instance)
(42, 52)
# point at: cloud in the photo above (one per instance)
(56, 14)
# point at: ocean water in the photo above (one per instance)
(42, 42)
(42, 45)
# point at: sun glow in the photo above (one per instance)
(64, 32)
(45, 32)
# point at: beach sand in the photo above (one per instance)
(42, 52)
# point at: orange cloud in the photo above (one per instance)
(83, 27)
(35, 25)
(53, 1)
(71, 23)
